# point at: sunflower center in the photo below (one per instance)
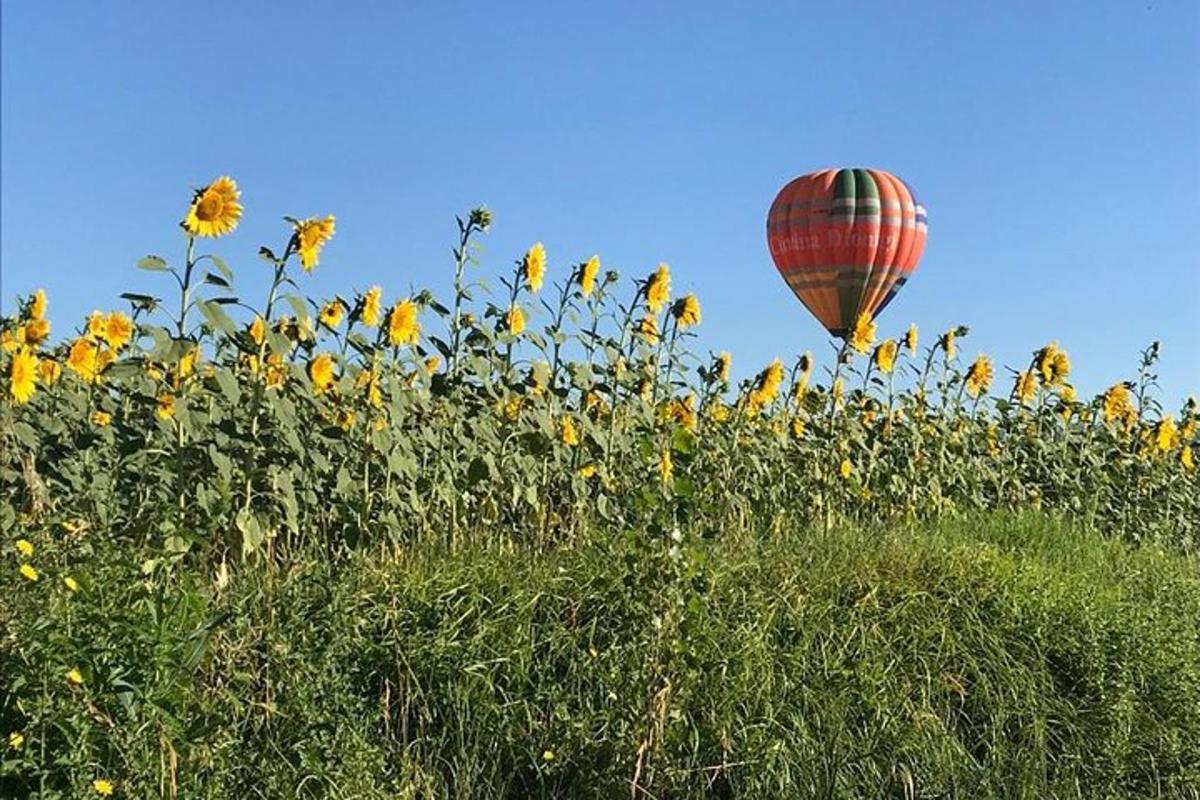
(210, 207)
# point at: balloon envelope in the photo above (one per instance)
(846, 240)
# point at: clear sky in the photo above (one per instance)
(1056, 146)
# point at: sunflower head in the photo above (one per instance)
(586, 277)
(331, 313)
(1025, 387)
(514, 320)
(863, 335)
(979, 376)
(686, 311)
(533, 267)
(403, 327)
(885, 356)
(215, 209)
(369, 306)
(658, 288)
(310, 235)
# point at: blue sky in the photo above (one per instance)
(1056, 146)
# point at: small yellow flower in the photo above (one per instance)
(533, 267)
(101, 419)
(838, 390)
(258, 330)
(885, 356)
(310, 236)
(547, 755)
(371, 306)
(910, 339)
(37, 306)
(648, 328)
(1186, 458)
(103, 787)
(276, 371)
(403, 327)
(587, 470)
(165, 409)
(570, 435)
(75, 677)
(979, 376)
(587, 275)
(118, 330)
(321, 372)
(71, 583)
(25, 547)
(187, 364)
(29, 573)
(23, 375)
(658, 288)
(510, 409)
(665, 468)
(798, 427)
(49, 371)
(331, 313)
(15, 740)
(96, 326)
(9, 341)
(215, 209)
(345, 419)
(863, 335)
(1025, 387)
(514, 320)
(846, 469)
(431, 364)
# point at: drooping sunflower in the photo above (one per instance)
(533, 267)
(658, 288)
(1166, 435)
(310, 236)
(49, 371)
(766, 387)
(321, 372)
(979, 376)
(587, 275)
(258, 330)
(1053, 364)
(721, 366)
(23, 375)
(885, 356)
(403, 327)
(36, 331)
(863, 335)
(331, 313)
(1118, 405)
(215, 209)
(947, 343)
(686, 311)
(371, 307)
(165, 409)
(570, 434)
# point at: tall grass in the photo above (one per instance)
(1003, 656)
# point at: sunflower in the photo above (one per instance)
(766, 387)
(846, 469)
(514, 320)
(533, 267)
(310, 236)
(370, 306)
(1166, 435)
(721, 366)
(331, 313)
(215, 209)
(23, 375)
(49, 371)
(947, 343)
(1118, 405)
(586, 276)
(403, 327)
(320, 371)
(37, 305)
(910, 339)
(258, 330)
(570, 434)
(276, 371)
(103, 787)
(96, 325)
(101, 419)
(35, 331)
(1053, 364)
(863, 335)
(118, 330)
(686, 311)
(839, 389)
(187, 364)
(658, 288)
(87, 360)
(29, 573)
(15, 740)
(885, 356)
(165, 409)
(648, 329)
(431, 364)
(1025, 387)
(665, 468)
(1186, 458)
(800, 388)
(979, 376)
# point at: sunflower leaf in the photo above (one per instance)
(217, 317)
(152, 264)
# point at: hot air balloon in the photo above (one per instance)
(846, 240)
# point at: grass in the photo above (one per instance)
(1000, 656)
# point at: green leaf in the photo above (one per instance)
(152, 264)
(216, 280)
(222, 267)
(217, 317)
(298, 305)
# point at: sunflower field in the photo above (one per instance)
(193, 476)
